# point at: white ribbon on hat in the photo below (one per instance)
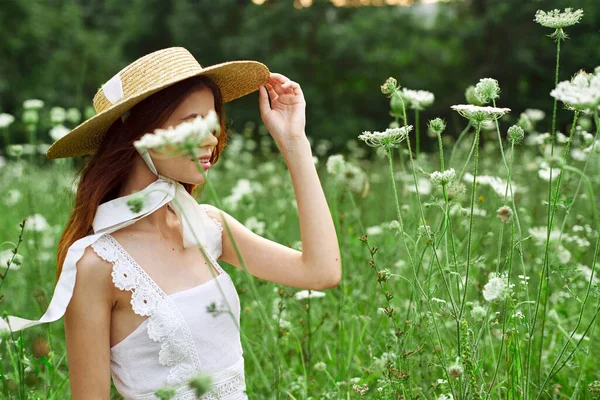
(113, 91)
(114, 215)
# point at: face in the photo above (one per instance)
(181, 167)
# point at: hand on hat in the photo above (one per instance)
(285, 117)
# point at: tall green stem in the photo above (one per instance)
(417, 136)
(466, 285)
(527, 372)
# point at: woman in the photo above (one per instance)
(137, 310)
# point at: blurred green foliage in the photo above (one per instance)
(61, 51)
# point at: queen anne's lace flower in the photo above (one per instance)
(534, 114)
(418, 99)
(478, 114)
(391, 137)
(487, 89)
(194, 131)
(443, 178)
(497, 287)
(304, 294)
(581, 93)
(33, 104)
(557, 19)
(6, 120)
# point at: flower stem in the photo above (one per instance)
(417, 136)
(465, 286)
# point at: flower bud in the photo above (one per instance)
(437, 126)
(487, 89)
(516, 133)
(389, 86)
(471, 97)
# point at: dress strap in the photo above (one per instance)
(165, 322)
(214, 238)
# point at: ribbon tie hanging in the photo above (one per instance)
(112, 216)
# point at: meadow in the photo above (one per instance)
(468, 273)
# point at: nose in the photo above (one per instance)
(211, 142)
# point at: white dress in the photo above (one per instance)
(180, 337)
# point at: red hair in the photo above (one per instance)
(101, 178)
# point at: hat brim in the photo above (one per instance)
(235, 79)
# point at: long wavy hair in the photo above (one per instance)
(104, 173)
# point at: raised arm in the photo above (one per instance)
(87, 329)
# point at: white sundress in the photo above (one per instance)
(179, 337)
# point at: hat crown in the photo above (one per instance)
(147, 72)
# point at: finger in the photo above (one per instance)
(278, 77)
(276, 84)
(292, 87)
(272, 93)
(263, 100)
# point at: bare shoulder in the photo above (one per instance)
(94, 274)
(212, 211)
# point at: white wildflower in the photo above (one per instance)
(255, 225)
(12, 197)
(557, 19)
(335, 164)
(374, 230)
(36, 222)
(487, 89)
(418, 99)
(504, 214)
(320, 366)
(496, 183)
(193, 132)
(6, 120)
(443, 178)
(478, 313)
(544, 172)
(534, 114)
(73, 115)
(58, 131)
(304, 294)
(6, 256)
(497, 287)
(33, 104)
(478, 114)
(58, 115)
(391, 137)
(581, 93)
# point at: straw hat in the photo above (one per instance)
(146, 76)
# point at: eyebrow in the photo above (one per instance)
(190, 116)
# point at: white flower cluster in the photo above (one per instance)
(496, 183)
(443, 178)
(418, 99)
(6, 120)
(194, 131)
(581, 93)
(391, 137)
(557, 19)
(347, 173)
(304, 294)
(487, 89)
(33, 104)
(478, 114)
(497, 287)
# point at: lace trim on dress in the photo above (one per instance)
(224, 384)
(218, 250)
(214, 219)
(165, 323)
